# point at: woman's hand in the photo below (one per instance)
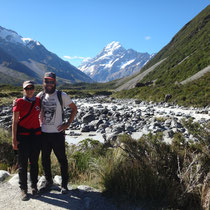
(15, 118)
(15, 144)
(14, 102)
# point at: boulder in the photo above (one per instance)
(14, 181)
(96, 123)
(167, 97)
(3, 175)
(85, 128)
(88, 118)
(57, 180)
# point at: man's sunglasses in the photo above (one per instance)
(49, 82)
(29, 88)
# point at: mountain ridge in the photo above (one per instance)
(35, 59)
(114, 62)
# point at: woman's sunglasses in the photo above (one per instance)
(29, 88)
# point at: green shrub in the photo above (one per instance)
(81, 159)
(7, 155)
(155, 173)
(141, 170)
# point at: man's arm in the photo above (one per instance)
(73, 113)
(64, 126)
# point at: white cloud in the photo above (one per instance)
(75, 57)
(147, 37)
(86, 59)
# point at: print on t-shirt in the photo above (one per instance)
(49, 110)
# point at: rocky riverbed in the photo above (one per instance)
(103, 118)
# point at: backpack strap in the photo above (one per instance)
(41, 98)
(59, 95)
(32, 105)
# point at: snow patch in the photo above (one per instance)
(127, 63)
(112, 46)
(11, 36)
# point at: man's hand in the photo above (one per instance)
(63, 127)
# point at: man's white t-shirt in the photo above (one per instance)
(51, 111)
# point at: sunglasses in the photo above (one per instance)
(29, 88)
(49, 82)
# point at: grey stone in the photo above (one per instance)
(85, 188)
(85, 128)
(88, 118)
(14, 181)
(57, 180)
(3, 175)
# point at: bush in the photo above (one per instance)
(157, 174)
(7, 155)
(81, 160)
(140, 171)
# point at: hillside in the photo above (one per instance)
(24, 58)
(186, 55)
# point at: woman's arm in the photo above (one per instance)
(14, 130)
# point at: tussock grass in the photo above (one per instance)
(161, 175)
(8, 158)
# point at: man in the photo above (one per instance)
(53, 128)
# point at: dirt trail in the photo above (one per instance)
(80, 198)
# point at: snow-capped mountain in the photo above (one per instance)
(114, 62)
(13, 37)
(25, 58)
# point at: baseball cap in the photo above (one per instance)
(27, 83)
(49, 75)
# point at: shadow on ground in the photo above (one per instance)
(77, 200)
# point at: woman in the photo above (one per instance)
(26, 139)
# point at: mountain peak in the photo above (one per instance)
(111, 49)
(112, 46)
(114, 62)
(28, 40)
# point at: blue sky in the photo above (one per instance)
(82, 28)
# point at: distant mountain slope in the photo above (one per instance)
(180, 69)
(197, 75)
(32, 59)
(186, 54)
(114, 62)
(131, 83)
(14, 72)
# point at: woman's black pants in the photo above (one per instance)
(28, 153)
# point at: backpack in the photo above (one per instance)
(59, 95)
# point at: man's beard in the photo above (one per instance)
(49, 91)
